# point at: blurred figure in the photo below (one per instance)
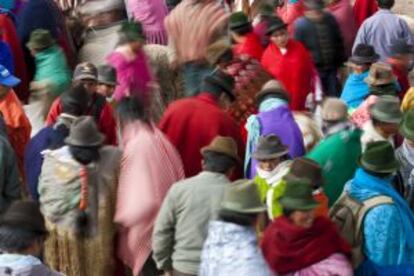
(231, 244)
(402, 61)
(364, 9)
(300, 243)
(408, 101)
(6, 55)
(182, 223)
(146, 176)
(22, 236)
(289, 11)
(107, 81)
(77, 190)
(260, 23)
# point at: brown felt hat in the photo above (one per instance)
(334, 109)
(303, 167)
(379, 74)
(270, 147)
(223, 145)
(274, 88)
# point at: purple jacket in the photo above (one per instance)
(280, 122)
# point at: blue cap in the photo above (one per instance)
(6, 78)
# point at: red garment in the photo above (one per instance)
(364, 9)
(294, 69)
(288, 248)
(251, 47)
(290, 12)
(192, 123)
(401, 72)
(11, 38)
(106, 124)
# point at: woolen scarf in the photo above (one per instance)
(289, 248)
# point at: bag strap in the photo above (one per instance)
(368, 205)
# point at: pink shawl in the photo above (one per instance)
(336, 264)
(344, 15)
(150, 165)
(133, 74)
(361, 115)
(151, 13)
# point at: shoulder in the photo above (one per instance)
(302, 22)
(384, 214)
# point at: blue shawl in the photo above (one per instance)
(355, 90)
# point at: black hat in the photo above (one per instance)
(400, 46)
(238, 20)
(364, 54)
(85, 70)
(274, 24)
(223, 80)
(26, 215)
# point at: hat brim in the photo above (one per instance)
(364, 60)
(10, 81)
(85, 77)
(271, 29)
(212, 149)
(73, 142)
(253, 210)
(298, 204)
(390, 168)
(263, 156)
(279, 93)
(371, 81)
(235, 27)
(384, 117)
(107, 82)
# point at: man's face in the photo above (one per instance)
(105, 89)
(4, 90)
(280, 38)
(90, 85)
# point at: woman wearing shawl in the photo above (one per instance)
(146, 176)
(130, 62)
(298, 243)
(151, 14)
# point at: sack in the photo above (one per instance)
(348, 214)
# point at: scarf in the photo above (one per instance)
(288, 248)
(253, 128)
(355, 90)
(365, 181)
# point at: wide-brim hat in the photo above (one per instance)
(242, 196)
(107, 75)
(272, 87)
(222, 80)
(334, 110)
(269, 147)
(407, 125)
(40, 39)
(238, 20)
(298, 195)
(379, 74)
(6, 78)
(379, 157)
(26, 215)
(223, 145)
(85, 133)
(303, 167)
(364, 54)
(274, 24)
(85, 71)
(386, 109)
(217, 49)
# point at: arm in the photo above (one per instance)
(12, 183)
(164, 233)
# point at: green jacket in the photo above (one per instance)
(277, 191)
(51, 66)
(337, 155)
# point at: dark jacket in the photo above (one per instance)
(323, 40)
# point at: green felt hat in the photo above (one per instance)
(407, 125)
(238, 20)
(379, 157)
(387, 109)
(298, 195)
(40, 39)
(132, 31)
(242, 196)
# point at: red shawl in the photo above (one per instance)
(294, 69)
(288, 248)
(401, 72)
(250, 47)
(289, 12)
(364, 9)
(11, 38)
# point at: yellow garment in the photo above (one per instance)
(276, 190)
(408, 101)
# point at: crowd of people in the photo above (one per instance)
(206, 137)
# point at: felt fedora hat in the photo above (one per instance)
(217, 50)
(272, 88)
(40, 39)
(364, 54)
(238, 20)
(242, 196)
(298, 195)
(379, 74)
(303, 167)
(269, 147)
(84, 133)
(85, 71)
(274, 24)
(222, 80)
(24, 214)
(379, 157)
(107, 75)
(223, 145)
(334, 109)
(407, 125)
(387, 109)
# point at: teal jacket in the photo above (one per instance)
(51, 66)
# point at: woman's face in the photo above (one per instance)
(135, 45)
(269, 164)
(280, 38)
(303, 219)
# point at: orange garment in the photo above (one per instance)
(18, 125)
(323, 207)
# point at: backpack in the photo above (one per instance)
(348, 215)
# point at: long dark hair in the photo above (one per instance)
(131, 109)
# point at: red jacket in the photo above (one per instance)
(294, 69)
(364, 9)
(192, 123)
(251, 47)
(106, 124)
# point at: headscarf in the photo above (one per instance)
(408, 100)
